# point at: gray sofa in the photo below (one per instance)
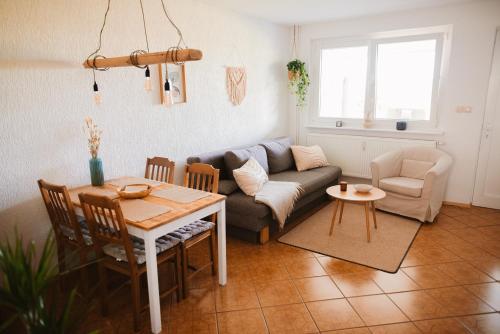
(253, 221)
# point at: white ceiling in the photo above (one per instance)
(306, 11)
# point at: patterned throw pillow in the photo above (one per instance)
(308, 157)
(250, 177)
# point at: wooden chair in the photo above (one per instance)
(122, 253)
(71, 232)
(201, 177)
(160, 169)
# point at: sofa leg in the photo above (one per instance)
(264, 235)
(436, 218)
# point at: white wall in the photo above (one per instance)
(474, 26)
(46, 94)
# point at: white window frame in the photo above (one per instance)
(372, 41)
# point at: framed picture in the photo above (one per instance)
(177, 76)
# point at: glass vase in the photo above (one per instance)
(96, 172)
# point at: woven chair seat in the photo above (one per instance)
(118, 251)
(191, 230)
(70, 233)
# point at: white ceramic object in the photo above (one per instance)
(363, 188)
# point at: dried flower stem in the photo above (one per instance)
(94, 135)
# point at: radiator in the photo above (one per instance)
(354, 153)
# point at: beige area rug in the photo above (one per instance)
(386, 250)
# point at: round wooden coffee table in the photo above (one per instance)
(351, 195)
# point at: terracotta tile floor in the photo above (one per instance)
(448, 283)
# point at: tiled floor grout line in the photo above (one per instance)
(356, 311)
(305, 305)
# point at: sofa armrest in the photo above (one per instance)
(386, 165)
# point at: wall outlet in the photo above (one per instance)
(464, 109)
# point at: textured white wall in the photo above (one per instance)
(473, 36)
(46, 94)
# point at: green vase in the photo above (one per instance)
(96, 172)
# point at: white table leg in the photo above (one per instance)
(153, 289)
(221, 237)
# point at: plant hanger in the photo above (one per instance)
(298, 78)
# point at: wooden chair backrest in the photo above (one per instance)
(160, 169)
(106, 223)
(60, 209)
(202, 177)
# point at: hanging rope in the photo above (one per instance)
(91, 59)
(134, 55)
(294, 45)
(181, 38)
(174, 50)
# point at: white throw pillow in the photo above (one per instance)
(308, 157)
(415, 169)
(250, 177)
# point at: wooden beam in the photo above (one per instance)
(147, 59)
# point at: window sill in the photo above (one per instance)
(379, 132)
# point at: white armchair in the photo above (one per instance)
(414, 180)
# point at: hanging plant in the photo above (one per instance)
(298, 80)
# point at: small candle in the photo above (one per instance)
(343, 186)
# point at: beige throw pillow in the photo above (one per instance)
(415, 169)
(250, 177)
(308, 157)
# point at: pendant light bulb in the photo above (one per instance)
(167, 94)
(97, 95)
(147, 83)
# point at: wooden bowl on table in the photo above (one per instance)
(134, 191)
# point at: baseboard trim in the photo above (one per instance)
(461, 205)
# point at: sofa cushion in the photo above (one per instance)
(415, 169)
(279, 154)
(250, 177)
(310, 180)
(245, 205)
(308, 157)
(402, 185)
(234, 159)
(227, 187)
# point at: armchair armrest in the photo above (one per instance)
(435, 179)
(386, 165)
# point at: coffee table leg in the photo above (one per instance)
(367, 215)
(341, 211)
(334, 214)
(374, 214)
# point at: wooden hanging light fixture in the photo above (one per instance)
(140, 58)
(150, 58)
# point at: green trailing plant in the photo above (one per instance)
(298, 80)
(27, 283)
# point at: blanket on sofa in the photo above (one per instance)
(280, 197)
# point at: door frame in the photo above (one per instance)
(492, 103)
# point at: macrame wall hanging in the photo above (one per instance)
(236, 84)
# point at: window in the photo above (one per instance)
(404, 80)
(343, 82)
(384, 79)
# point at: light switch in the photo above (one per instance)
(464, 109)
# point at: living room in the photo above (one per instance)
(319, 166)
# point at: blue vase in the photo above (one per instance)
(96, 172)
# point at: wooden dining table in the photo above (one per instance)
(180, 213)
